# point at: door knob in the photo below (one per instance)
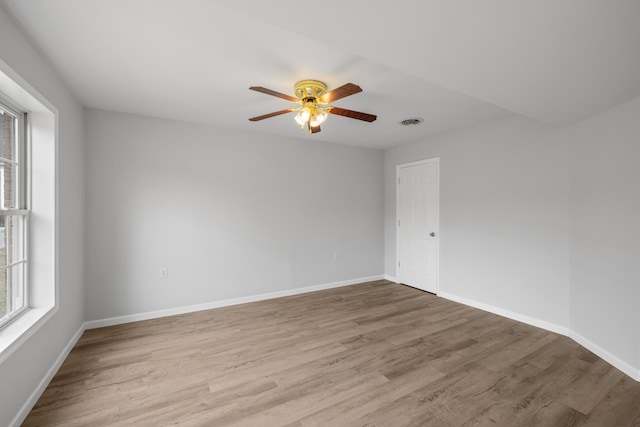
(432, 234)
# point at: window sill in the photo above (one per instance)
(21, 329)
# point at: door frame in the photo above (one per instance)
(436, 161)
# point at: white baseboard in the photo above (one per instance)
(618, 363)
(222, 303)
(390, 278)
(33, 399)
(509, 314)
(632, 371)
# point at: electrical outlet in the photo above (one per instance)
(336, 256)
(164, 273)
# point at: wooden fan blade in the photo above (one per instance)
(352, 114)
(276, 113)
(314, 129)
(273, 93)
(339, 93)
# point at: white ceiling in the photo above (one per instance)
(455, 63)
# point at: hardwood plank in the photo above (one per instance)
(361, 405)
(619, 407)
(589, 389)
(375, 354)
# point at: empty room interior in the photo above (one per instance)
(346, 213)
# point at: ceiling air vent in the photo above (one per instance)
(412, 122)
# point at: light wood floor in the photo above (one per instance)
(375, 354)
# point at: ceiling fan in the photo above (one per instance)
(313, 99)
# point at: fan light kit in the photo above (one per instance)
(313, 99)
(310, 112)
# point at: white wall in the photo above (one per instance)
(504, 212)
(23, 371)
(229, 214)
(605, 230)
(541, 222)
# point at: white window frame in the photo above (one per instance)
(42, 200)
(20, 209)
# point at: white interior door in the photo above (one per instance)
(417, 227)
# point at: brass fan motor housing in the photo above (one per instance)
(310, 89)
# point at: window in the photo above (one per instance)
(13, 215)
(28, 222)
